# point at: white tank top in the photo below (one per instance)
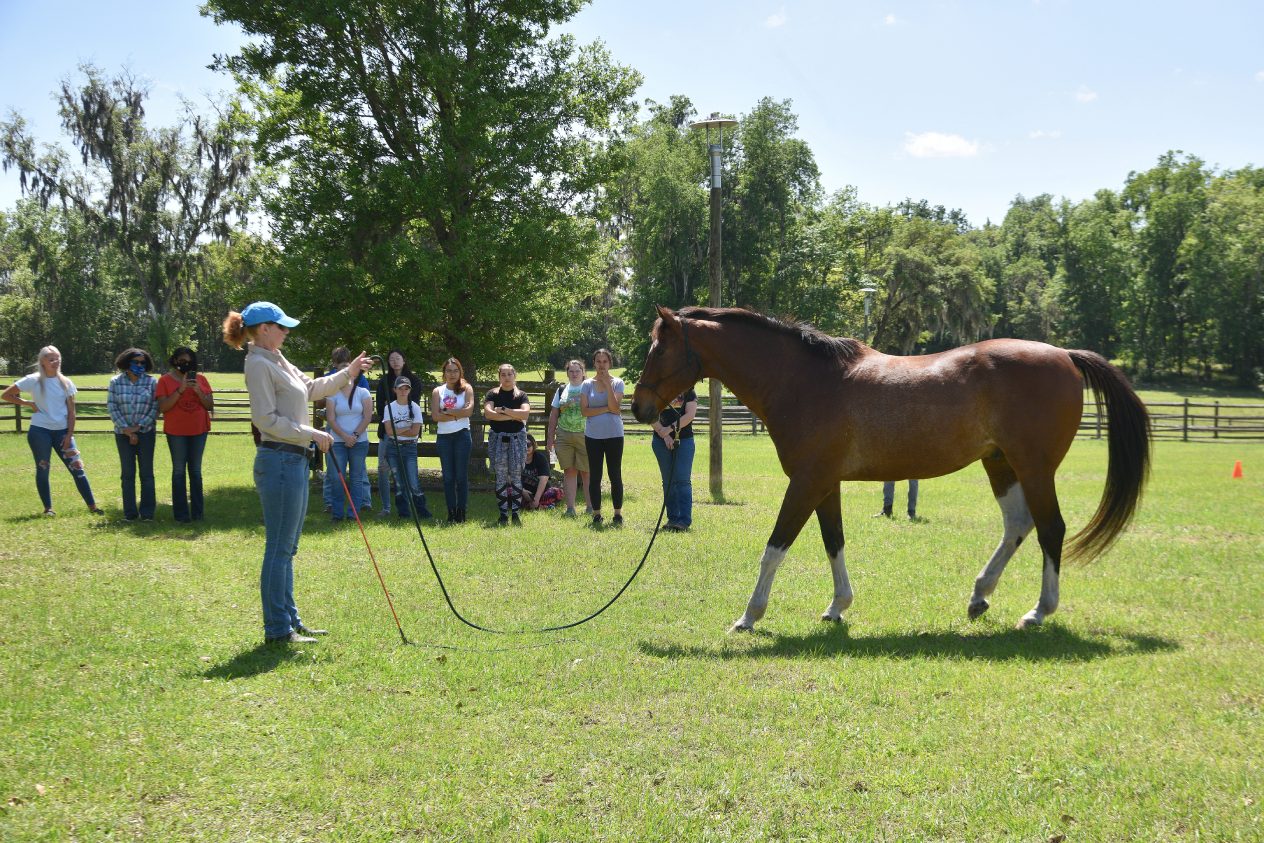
(449, 400)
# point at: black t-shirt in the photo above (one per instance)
(511, 401)
(537, 467)
(672, 413)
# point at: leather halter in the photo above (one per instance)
(690, 357)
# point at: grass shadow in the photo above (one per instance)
(1052, 643)
(261, 658)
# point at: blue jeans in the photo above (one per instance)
(678, 487)
(404, 466)
(351, 463)
(186, 458)
(330, 485)
(281, 480)
(383, 477)
(888, 497)
(454, 460)
(43, 443)
(134, 458)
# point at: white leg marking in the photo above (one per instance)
(1018, 523)
(842, 589)
(768, 565)
(1048, 603)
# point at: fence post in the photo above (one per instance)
(17, 417)
(1097, 415)
(1215, 423)
(1185, 423)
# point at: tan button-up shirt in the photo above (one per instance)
(281, 395)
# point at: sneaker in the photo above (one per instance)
(96, 510)
(303, 630)
(886, 513)
(570, 513)
(49, 513)
(384, 513)
(596, 519)
(673, 527)
(517, 522)
(617, 521)
(291, 638)
(503, 520)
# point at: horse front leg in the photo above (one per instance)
(801, 498)
(830, 515)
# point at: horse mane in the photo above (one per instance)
(841, 349)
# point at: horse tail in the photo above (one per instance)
(1128, 443)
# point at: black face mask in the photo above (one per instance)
(186, 366)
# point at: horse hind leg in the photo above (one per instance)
(1018, 522)
(830, 516)
(1050, 531)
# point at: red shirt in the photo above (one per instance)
(187, 417)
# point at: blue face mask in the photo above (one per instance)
(137, 369)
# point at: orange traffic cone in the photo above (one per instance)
(1237, 469)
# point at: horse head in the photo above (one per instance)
(671, 367)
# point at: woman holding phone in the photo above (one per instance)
(185, 401)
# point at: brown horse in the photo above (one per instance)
(838, 410)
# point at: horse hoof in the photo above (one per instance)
(1027, 622)
(976, 610)
(738, 626)
(828, 618)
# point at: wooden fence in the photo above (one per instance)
(1178, 420)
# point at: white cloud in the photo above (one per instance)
(1259, 76)
(777, 20)
(890, 20)
(1045, 134)
(1084, 94)
(939, 145)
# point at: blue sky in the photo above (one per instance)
(964, 104)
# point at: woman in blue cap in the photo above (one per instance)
(280, 398)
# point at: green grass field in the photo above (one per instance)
(139, 703)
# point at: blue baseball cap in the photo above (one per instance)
(256, 313)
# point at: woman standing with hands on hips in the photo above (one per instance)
(280, 395)
(184, 399)
(599, 402)
(52, 428)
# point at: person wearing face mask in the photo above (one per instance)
(134, 410)
(52, 428)
(185, 401)
(280, 407)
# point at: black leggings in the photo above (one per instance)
(612, 450)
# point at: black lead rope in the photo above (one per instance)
(439, 577)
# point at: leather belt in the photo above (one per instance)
(284, 447)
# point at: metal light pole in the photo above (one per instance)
(868, 291)
(716, 404)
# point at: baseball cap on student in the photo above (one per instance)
(256, 313)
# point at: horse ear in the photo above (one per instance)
(668, 317)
